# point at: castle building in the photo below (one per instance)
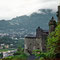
(39, 41)
(36, 42)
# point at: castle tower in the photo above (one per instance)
(58, 14)
(39, 32)
(52, 25)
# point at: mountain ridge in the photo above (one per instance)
(28, 24)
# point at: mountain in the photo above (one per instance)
(27, 24)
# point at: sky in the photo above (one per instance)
(12, 8)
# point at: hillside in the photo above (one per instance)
(27, 24)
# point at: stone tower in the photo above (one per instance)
(52, 25)
(58, 14)
(38, 32)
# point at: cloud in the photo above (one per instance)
(13, 8)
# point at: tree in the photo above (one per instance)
(53, 43)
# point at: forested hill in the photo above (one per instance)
(27, 24)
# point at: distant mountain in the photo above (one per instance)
(27, 24)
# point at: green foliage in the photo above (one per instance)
(53, 41)
(42, 58)
(49, 55)
(39, 54)
(8, 58)
(52, 46)
(5, 50)
(1, 55)
(7, 41)
(58, 32)
(36, 52)
(20, 43)
(19, 55)
(20, 51)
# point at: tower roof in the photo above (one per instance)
(52, 21)
(39, 28)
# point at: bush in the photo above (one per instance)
(42, 58)
(20, 57)
(36, 52)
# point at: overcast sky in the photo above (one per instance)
(12, 8)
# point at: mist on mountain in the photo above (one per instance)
(27, 24)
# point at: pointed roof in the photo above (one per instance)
(52, 21)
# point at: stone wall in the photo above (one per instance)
(35, 43)
(30, 44)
